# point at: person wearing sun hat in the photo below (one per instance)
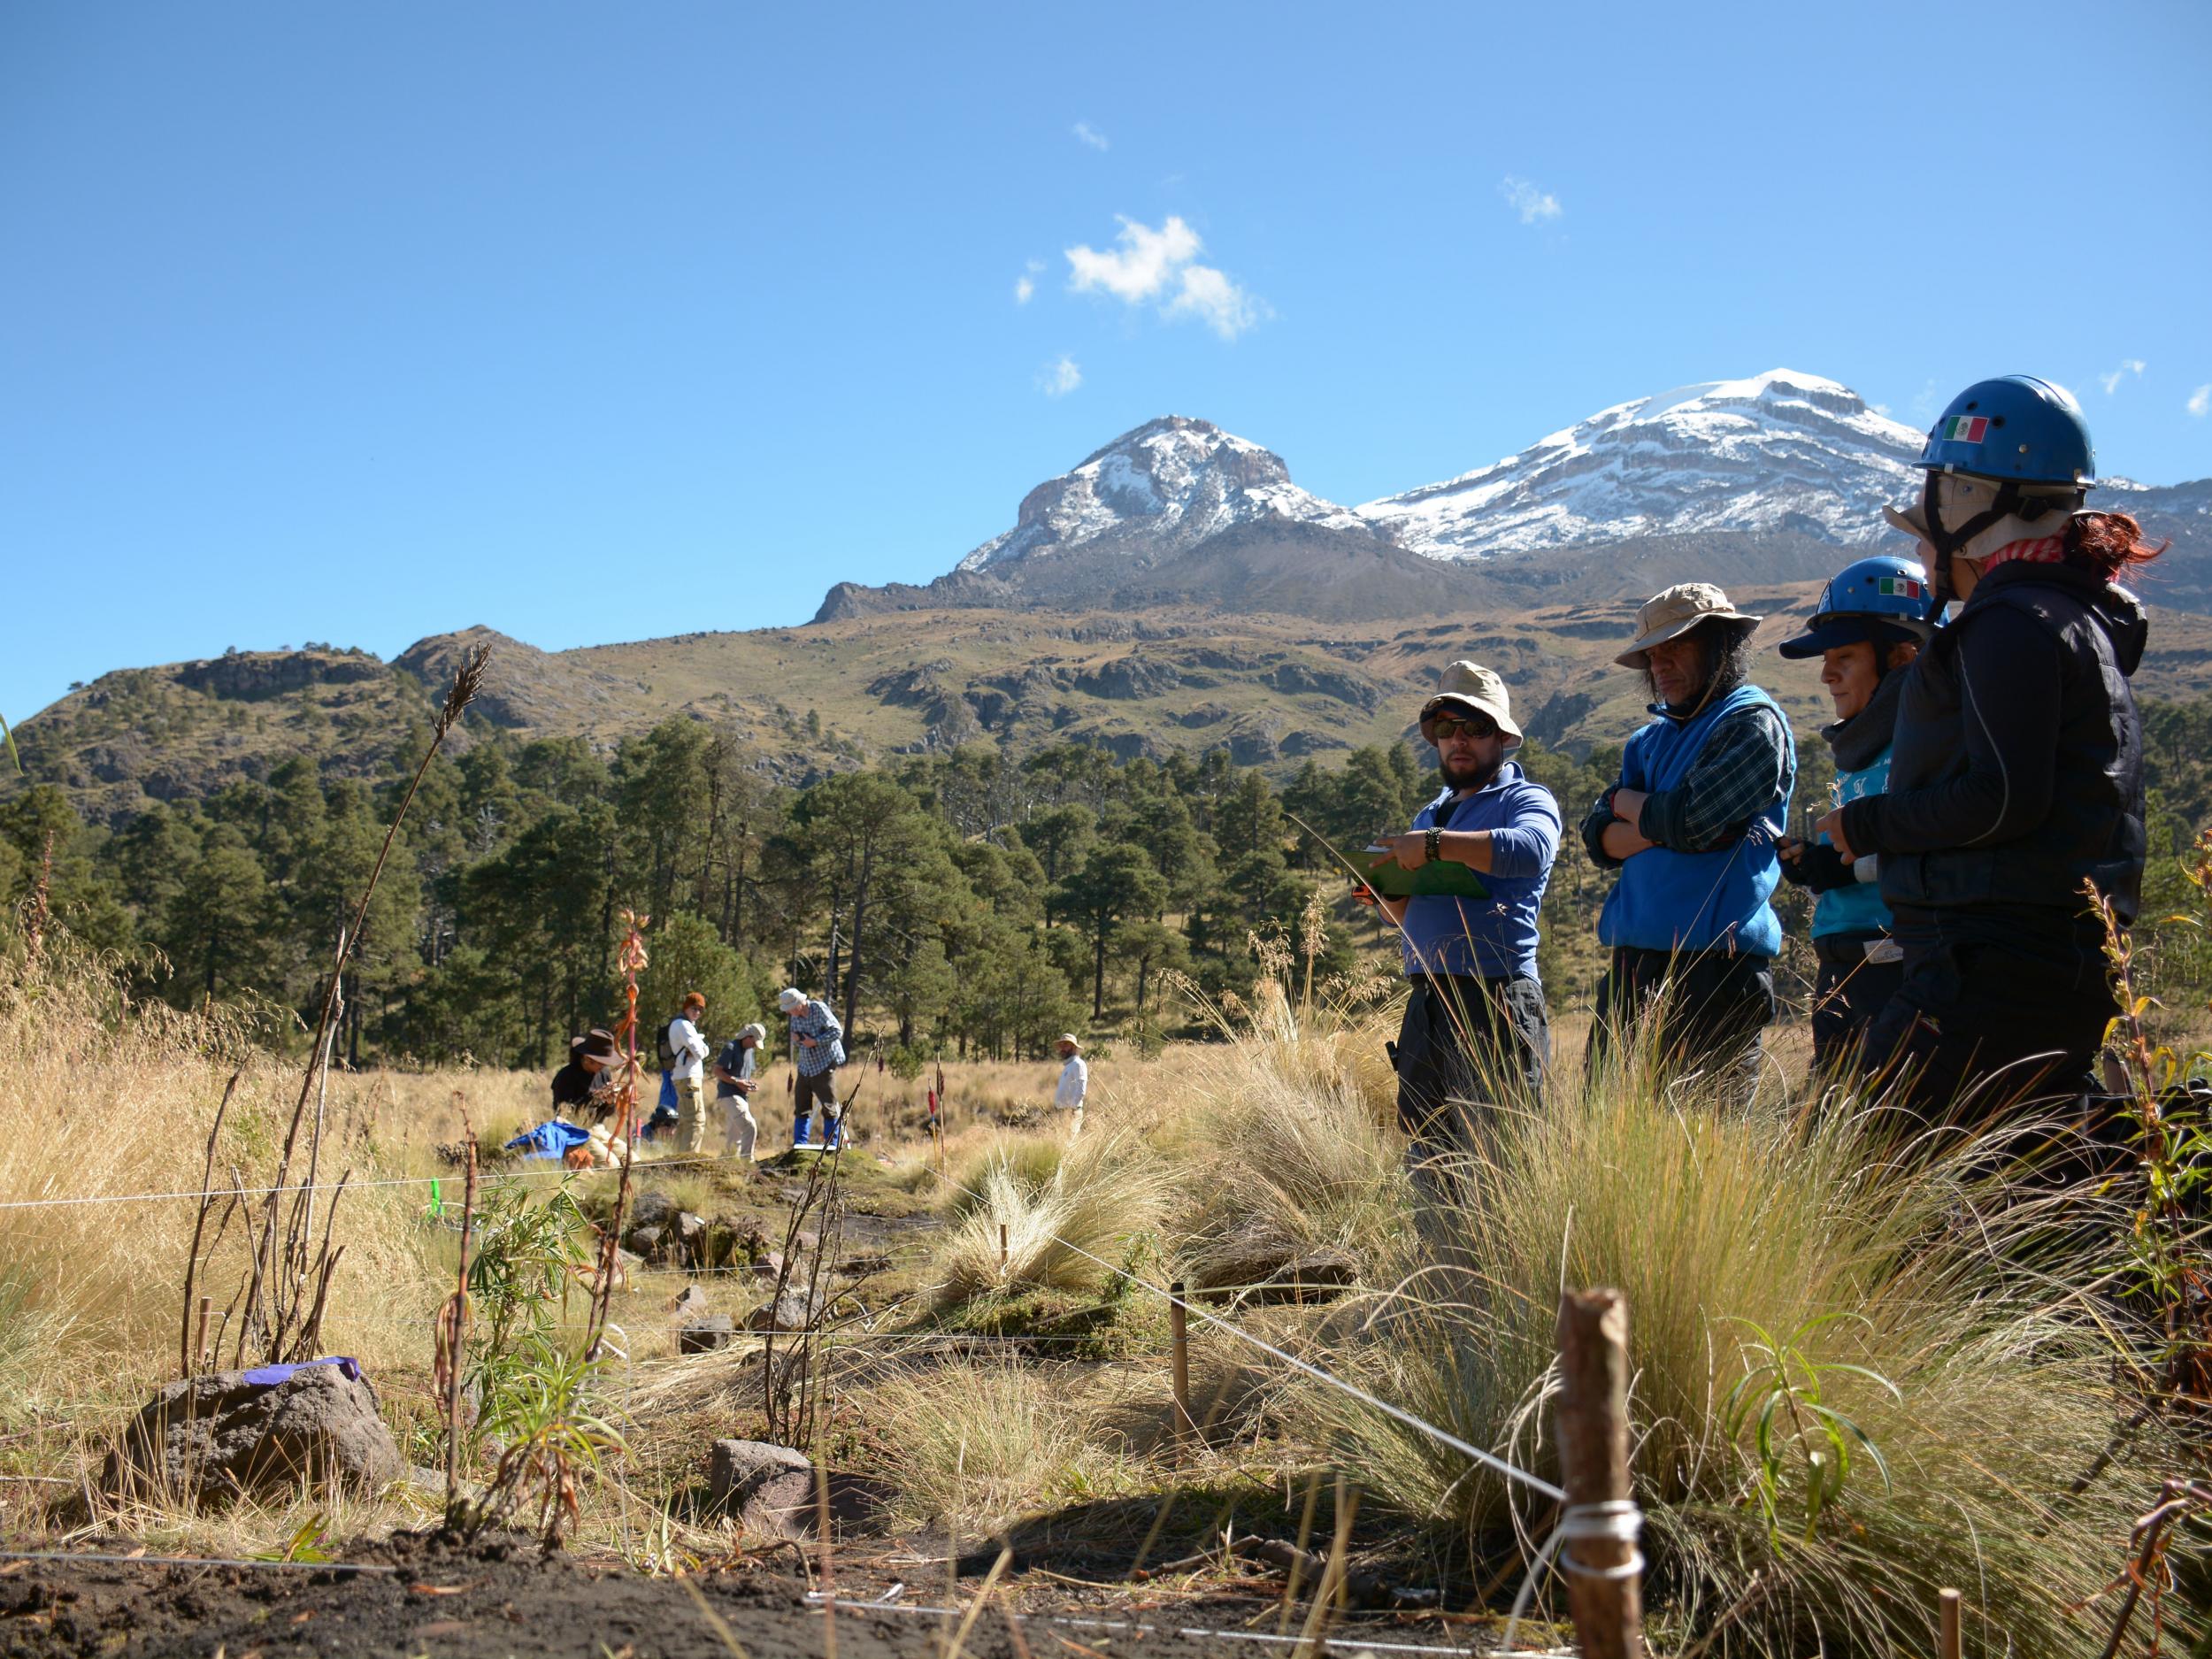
(1075, 1081)
(1475, 1027)
(817, 1048)
(1693, 826)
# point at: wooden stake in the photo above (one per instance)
(1947, 1638)
(1179, 1340)
(1001, 1249)
(1605, 1598)
(199, 1341)
(829, 1587)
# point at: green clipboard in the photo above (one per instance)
(1393, 880)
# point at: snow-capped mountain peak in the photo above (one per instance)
(1162, 488)
(1778, 451)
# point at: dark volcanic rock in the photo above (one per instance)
(209, 1440)
(704, 1336)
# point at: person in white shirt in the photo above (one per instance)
(690, 1050)
(1075, 1082)
(736, 1075)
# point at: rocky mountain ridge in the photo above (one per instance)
(1775, 473)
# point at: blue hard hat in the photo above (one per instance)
(1882, 600)
(2018, 427)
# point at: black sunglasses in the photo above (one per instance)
(1440, 728)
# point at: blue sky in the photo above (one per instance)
(360, 323)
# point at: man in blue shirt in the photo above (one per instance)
(817, 1048)
(1475, 1026)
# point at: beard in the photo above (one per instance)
(1471, 776)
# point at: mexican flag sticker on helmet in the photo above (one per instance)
(1964, 428)
(1901, 586)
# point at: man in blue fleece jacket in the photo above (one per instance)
(1475, 1025)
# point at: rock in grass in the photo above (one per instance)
(687, 1234)
(704, 1336)
(766, 1488)
(1258, 1272)
(651, 1208)
(786, 1312)
(209, 1439)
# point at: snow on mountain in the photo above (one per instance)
(1778, 451)
(1159, 490)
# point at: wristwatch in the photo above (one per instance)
(1433, 847)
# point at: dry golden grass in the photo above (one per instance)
(978, 1444)
(111, 1104)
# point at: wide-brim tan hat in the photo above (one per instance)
(1674, 612)
(1479, 690)
(789, 998)
(1910, 520)
(1070, 1037)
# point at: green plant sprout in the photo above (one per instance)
(1783, 1381)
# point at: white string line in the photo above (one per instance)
(1490, 1459)
(197, 1561)
(351, 1187)
(1615, 1518)
(820, 1598)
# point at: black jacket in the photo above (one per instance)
(2018, 767)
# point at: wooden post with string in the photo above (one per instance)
(1604, 1573)
(1178, 1344)
(1947, 1638)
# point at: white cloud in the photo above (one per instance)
(1146, 260)
(1209, 295)
(2128, 366)
(1149, 264)
(1025, 284)
(1086, 133)
(2201, 401)
(1059, 377)
(1529, 202)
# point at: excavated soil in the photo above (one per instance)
(505, 1600)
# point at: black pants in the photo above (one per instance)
(1977, 1028)
(1848, 993)
(1466, 1041)
(1711, 1006)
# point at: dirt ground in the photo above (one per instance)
(413, 1595)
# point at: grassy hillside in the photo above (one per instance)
(1270, 689)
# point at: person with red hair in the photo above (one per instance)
(2015, 786)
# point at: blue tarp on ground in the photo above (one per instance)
(269, 1376)
(548, 1140)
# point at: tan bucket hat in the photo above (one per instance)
(1673, 611)
(1479, 690)
(1073, 1041)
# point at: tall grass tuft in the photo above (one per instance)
(1067, 1217)
(1283, 1144)
(1934, 1304)
(982, 1443)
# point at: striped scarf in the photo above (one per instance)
(2048, 549)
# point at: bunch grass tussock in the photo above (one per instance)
(1784, 1264)
(1070, 1218)
(981, 1444)
(1284, 1144)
